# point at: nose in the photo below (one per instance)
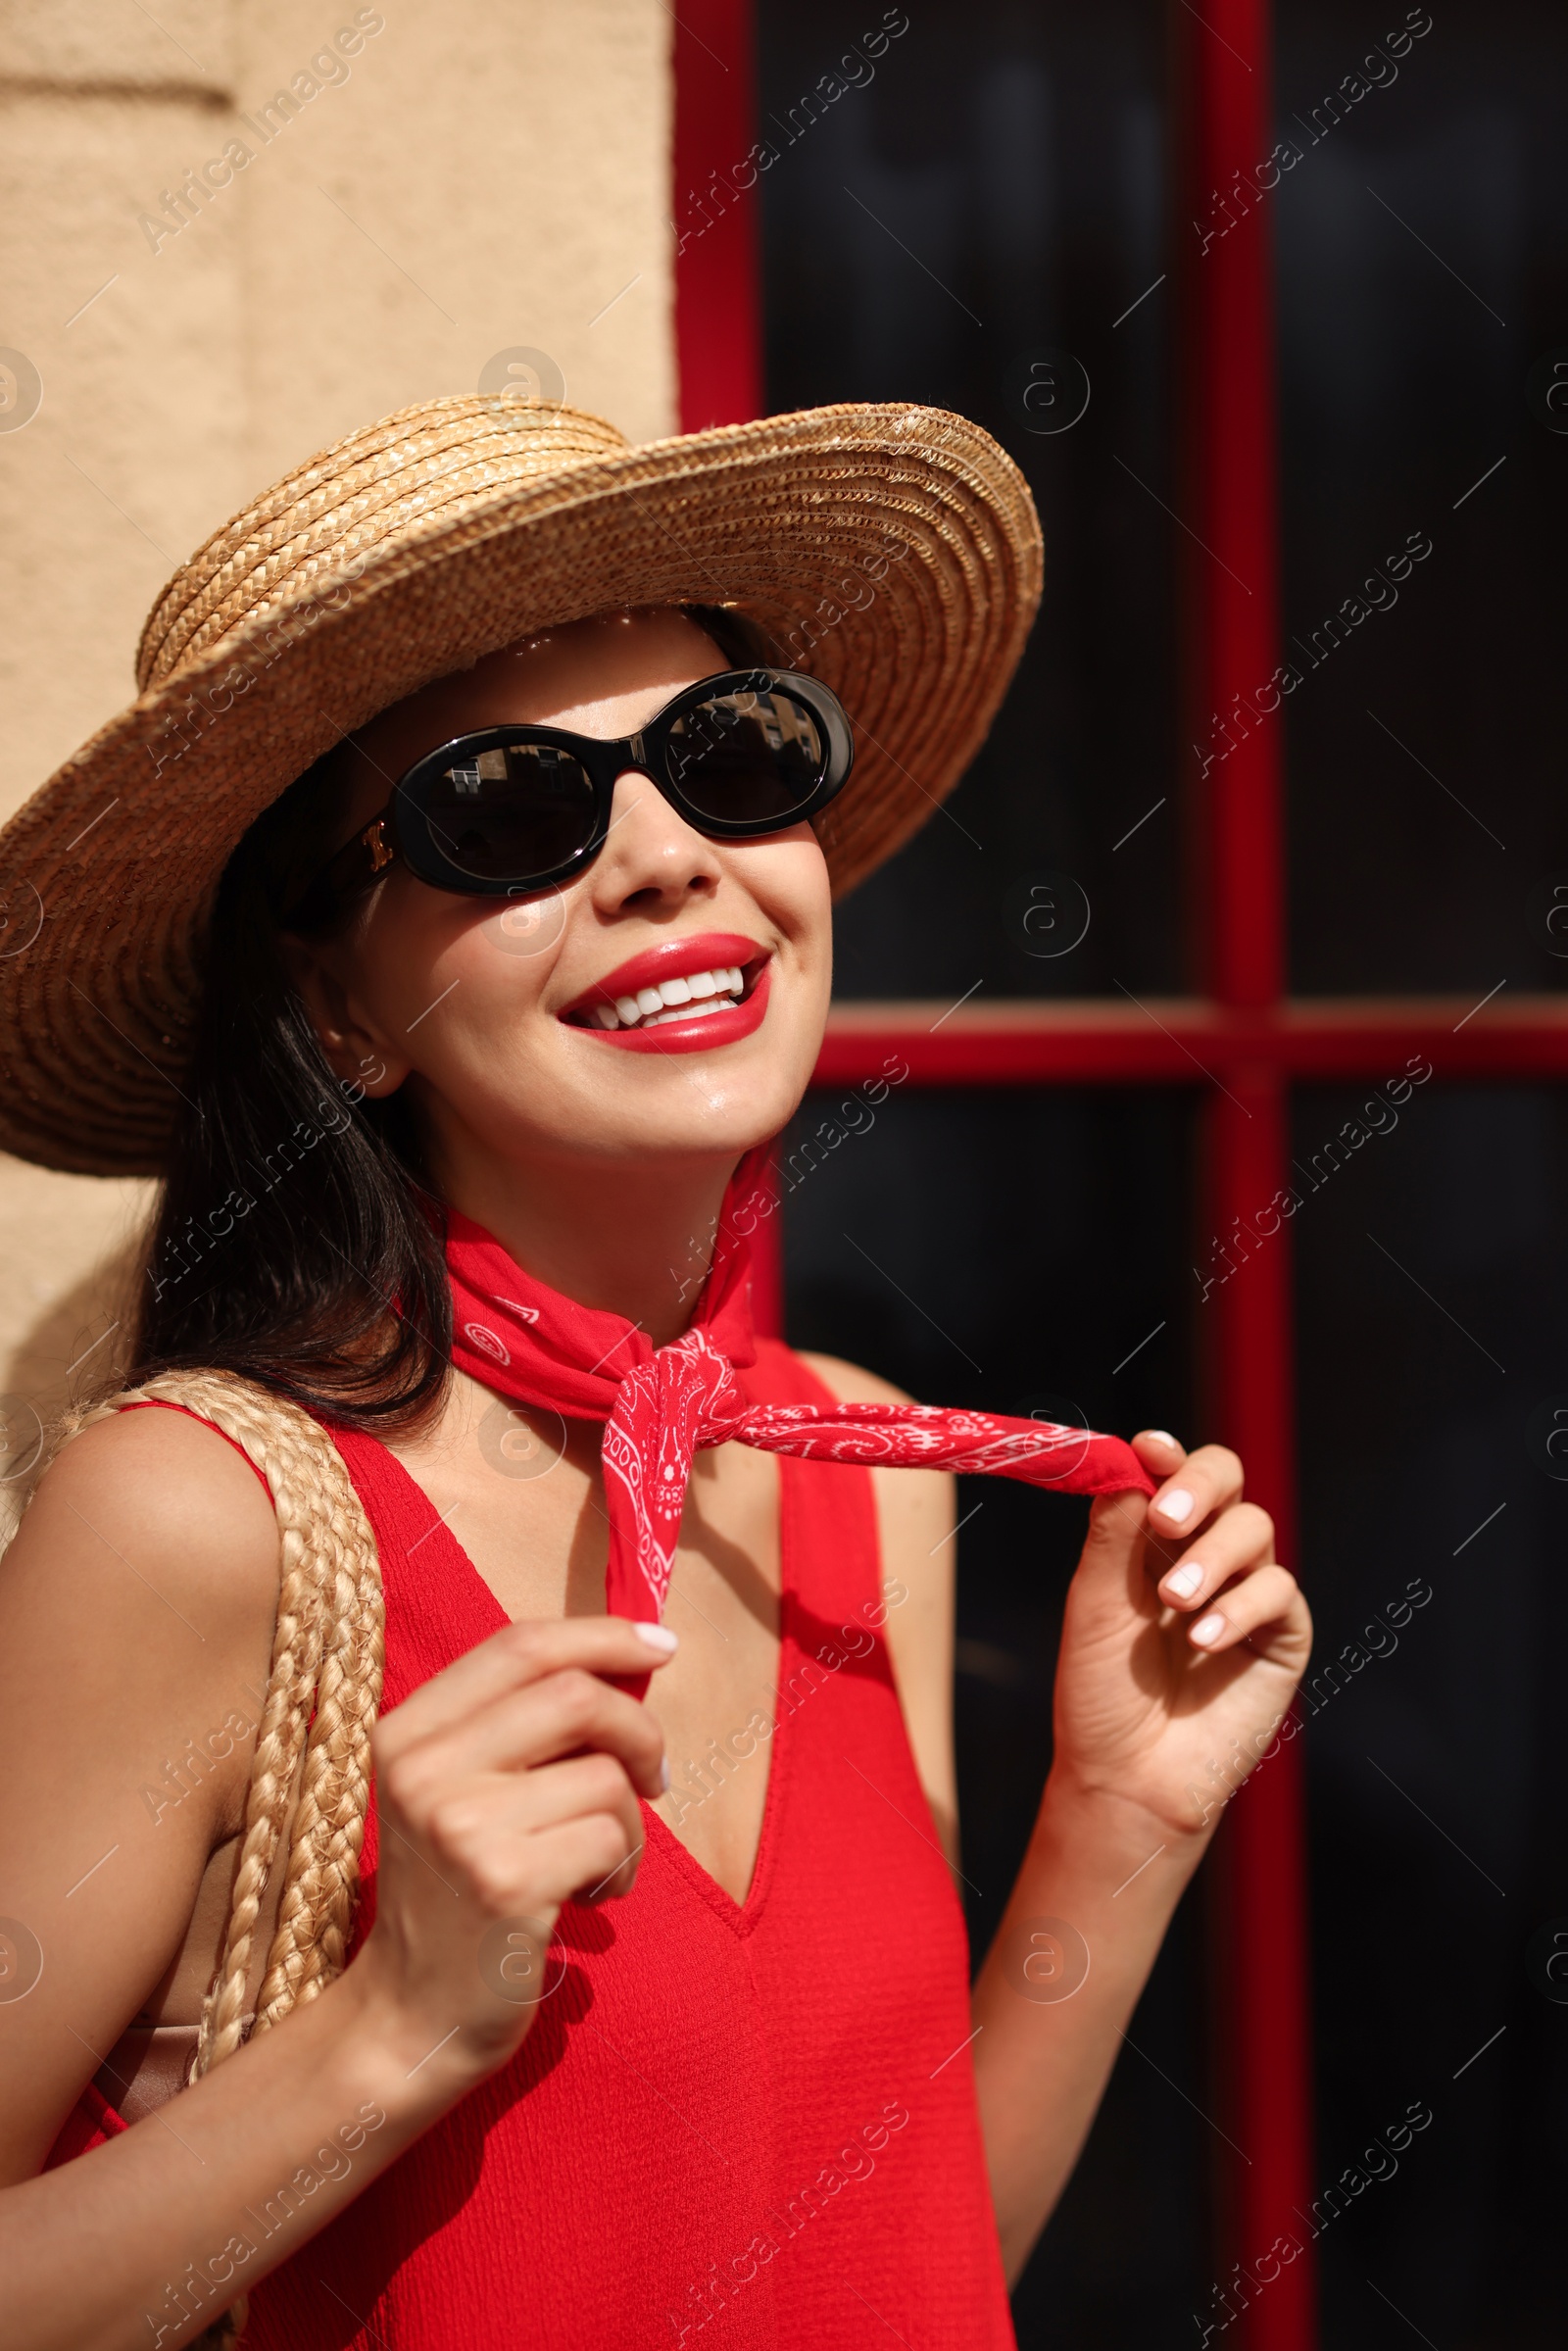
(651, 856)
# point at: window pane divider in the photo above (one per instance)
(1193, 1040)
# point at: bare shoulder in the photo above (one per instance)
(912, 1503)
(144, 1574)
(170, 1485)
(137, 1603)
(915, 1513)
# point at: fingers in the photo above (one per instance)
(1227, 1582)
(517, 1771)
(1114, 1549)
(556, 1865)
(1240, 1537)
(506, 1786)
(1160, 1452)
(513, 1659)
(572, 1829)
(587, 1859)
(570, 1791)
(562, 1714)
(1203, 1482)
(1269, 1599)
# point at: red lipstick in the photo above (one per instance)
(663, 1029)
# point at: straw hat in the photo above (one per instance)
(892, 552)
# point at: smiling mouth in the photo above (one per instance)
(684, 995)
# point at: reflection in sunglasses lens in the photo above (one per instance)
(521, 808)
(744, 757)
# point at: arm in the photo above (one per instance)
(141, 1588)
(1144, 1712)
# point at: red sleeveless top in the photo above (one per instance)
(758, 2116)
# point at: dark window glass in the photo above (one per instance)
(989, 192)
(1433, 1285)
(1018, 1250)
(969, 206)
(1422, 244)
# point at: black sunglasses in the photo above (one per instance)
(511, 808)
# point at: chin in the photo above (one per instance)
(705, 1108)
(716, 1075)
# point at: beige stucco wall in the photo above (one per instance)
(470, 180)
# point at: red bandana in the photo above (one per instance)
(527, 1342)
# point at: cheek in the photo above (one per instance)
(423, 948)
(525, 930)
(487, 979)
(477, 1037)
(813, 909)
(787, 877)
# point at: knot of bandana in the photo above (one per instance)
(660, 1404)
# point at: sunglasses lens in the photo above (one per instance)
(746, 759)
(523, 809)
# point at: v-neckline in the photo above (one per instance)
(659, 1835)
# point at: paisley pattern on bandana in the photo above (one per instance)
(660, 1404)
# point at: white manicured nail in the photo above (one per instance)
(1208, 1629)
(1183, 1582)
(1162, 1436)
(659, 1637)
(663, 1774)
(1177, 1504)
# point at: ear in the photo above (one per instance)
(358, 1052)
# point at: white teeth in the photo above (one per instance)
(714, 1003)
(687, 997)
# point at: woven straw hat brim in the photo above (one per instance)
(892, 552)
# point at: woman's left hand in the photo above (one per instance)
(1182, 1644)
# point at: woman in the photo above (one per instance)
(656, 2014)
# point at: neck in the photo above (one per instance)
(627, 1239)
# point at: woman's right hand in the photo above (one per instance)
(506, 1786)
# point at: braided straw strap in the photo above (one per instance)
(321, 1700)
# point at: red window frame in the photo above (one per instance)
(1238, 1038)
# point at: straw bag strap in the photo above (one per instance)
(313, 1745)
